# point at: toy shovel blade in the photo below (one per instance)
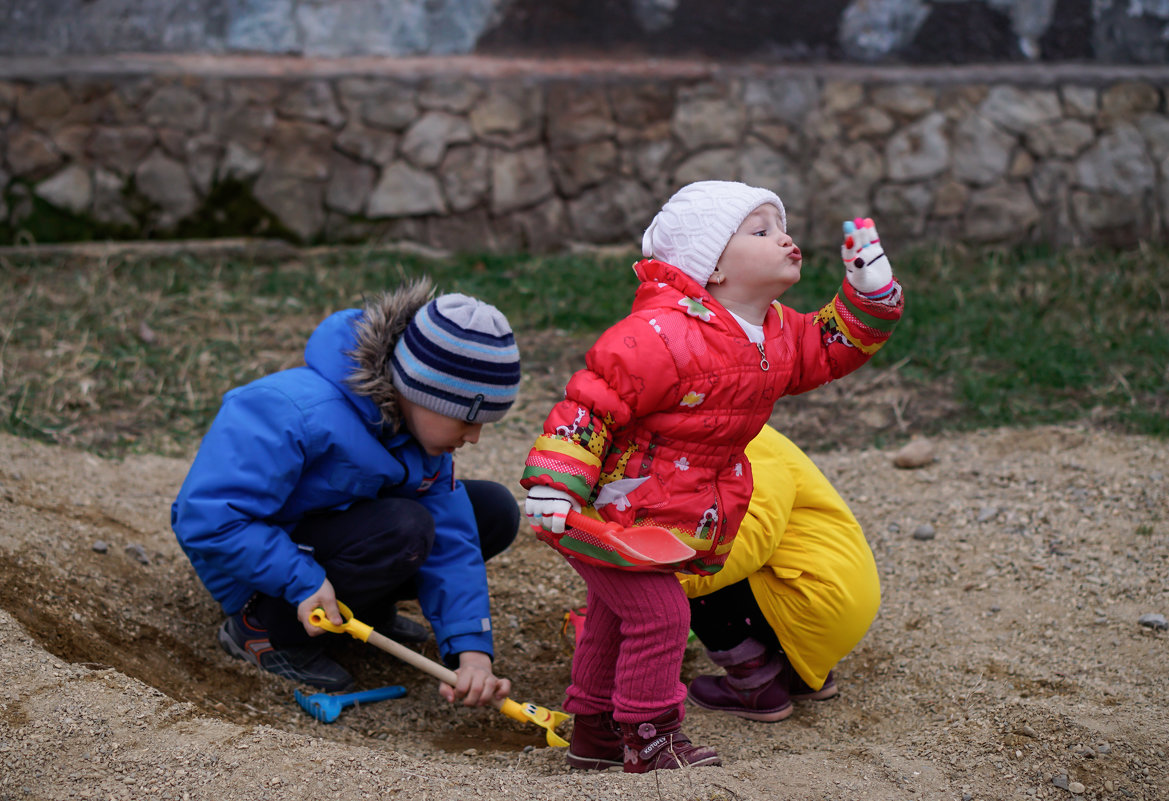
(647, 544)
(544, 718)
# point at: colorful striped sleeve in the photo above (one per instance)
(563, 464)
(865, 322)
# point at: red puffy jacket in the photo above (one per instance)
(653, 431)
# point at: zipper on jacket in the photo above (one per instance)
(764, 365)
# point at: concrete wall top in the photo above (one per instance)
(291, 68)
(856, 31)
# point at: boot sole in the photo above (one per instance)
(590, 763)
(773, 716)
(712, 761)
(823, 694)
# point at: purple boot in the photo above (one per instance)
(754, 686)
(659, 744)
(799, 690)
(596, 743)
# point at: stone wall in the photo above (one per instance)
(483, 154)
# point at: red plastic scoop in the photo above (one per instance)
(652, 545)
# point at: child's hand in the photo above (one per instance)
(326, 598)
(865, 264)
(477, 685)
(547, 508)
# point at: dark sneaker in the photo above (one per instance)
(388, 622)
(242, 638)
(403, 629)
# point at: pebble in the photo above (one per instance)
(1060, 780)
(987, 513)
(1103, 748)
(924, 532)
(101, 546)
(1076, 788)
(138, 552)
(918, 452)
(1154, 621)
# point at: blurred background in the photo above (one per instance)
(865, 31)
(517, 125)
(186, 188)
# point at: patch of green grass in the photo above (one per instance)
(1033, 336)
(125, 352)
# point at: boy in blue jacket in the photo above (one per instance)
(335, 480)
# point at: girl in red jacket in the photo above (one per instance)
(652, 432)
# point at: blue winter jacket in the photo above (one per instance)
(300, 441)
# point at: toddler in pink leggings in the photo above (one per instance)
(653, 431)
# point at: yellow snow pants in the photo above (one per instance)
(803, 552)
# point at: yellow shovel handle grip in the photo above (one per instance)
(352, 627)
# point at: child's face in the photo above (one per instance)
(760, 257)
(437, 433)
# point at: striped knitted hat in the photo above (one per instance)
(458, 357)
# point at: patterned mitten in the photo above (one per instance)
(547, 508)
(865, 264)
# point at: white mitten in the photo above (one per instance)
(547, 508)
(865, 264)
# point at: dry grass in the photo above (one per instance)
(130, 350)
(122, 351)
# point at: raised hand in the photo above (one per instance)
(865, 264)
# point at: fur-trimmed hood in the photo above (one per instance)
(377, 329)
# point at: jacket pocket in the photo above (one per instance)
(628, 499)
(689, 505)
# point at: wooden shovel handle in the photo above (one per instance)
(428, 666)
(524, 713)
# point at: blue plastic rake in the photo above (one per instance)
(327, 708)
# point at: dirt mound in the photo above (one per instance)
(1007, 660)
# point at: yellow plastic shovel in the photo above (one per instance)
(524, 713)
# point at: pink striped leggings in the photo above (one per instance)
(629, 659)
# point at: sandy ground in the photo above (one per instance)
(1007, 662)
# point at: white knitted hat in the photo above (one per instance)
(693, 228)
